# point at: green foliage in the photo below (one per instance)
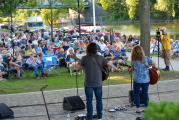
(162, 111)
(31, 3)
(132, 8)
(106, 4)
(120, 8)
(166, 6)
(46, 15)
(160, 9)
(21, 15)
(116, 8)
(10, 6)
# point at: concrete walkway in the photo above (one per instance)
(174, 62)
(30, 106)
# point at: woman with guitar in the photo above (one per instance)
(140, 67)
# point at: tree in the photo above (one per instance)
(161, 9)
(10, 6)
(106, 4)
(145, 26)
(46, 15)
(115, 8)
(118, 7)
(21, 16)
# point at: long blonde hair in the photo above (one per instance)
(138, 54)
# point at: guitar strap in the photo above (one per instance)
(93, 58)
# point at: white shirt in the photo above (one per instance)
(102, 46)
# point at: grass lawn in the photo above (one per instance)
(61, 79)
(4, 30)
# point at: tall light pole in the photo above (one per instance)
(94, 17)
(79, 22)
(11, 5)
(51, 19)
(79, 29)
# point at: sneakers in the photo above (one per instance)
(139, 118)
(166, 69)
(138, 110)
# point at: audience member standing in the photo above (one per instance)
(166, 49)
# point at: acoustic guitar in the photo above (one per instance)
(154, 74)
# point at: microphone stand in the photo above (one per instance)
(43, 88)
(79, 30)
(76, 75)
(158, 40)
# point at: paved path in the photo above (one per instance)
(174, 62)
(29, 106)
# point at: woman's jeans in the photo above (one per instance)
(89, 100)
(141, 89)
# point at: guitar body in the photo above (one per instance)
(154, 75)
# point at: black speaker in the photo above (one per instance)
(73, 103)
(5, 111)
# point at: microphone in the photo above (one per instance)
(44, 87)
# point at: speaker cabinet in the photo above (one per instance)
(5, 111)
(73, 103)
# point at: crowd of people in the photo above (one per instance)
(154, 46)
(29, 50)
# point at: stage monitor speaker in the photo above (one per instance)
(5, 111)
(73, 103)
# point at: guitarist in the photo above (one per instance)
(93, 79)
(140, 64)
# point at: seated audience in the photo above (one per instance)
(30, 51)
(35, 64)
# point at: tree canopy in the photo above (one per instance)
(10, 6)
(159, 8)
(19, 9)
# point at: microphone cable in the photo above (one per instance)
(158, 94)
(107, 97)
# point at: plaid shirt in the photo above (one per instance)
(33, 61)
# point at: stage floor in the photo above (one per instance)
(30, 106)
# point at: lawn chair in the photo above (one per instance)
(50, 62)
